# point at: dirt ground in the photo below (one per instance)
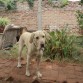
(53, 72)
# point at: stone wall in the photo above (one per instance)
(50, 16)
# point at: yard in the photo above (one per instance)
(63, 56)
(55, 71)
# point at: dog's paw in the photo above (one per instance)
(19, 66)
(39, 75)
(27, 74)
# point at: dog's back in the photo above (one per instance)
(25, 38)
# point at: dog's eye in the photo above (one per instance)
(43, 36)
(37, 37)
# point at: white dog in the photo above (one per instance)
(35, 42)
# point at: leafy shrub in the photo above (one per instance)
(30, 2)
(58, 3)
(4, 21)
(79, 41)
(80, 19)
(60, 46)
(82, 1)
(64, 2)
(49, 2)
(9, 4)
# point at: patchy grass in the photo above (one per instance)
(13, 53)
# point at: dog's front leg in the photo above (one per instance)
(38, 64)
(27, 65)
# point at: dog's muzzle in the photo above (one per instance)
(42, 46)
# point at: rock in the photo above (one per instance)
(48, 60)
(64, 82)
(10, 78)
(1, 78)
(35, 81)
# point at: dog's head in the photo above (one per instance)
(38, 38)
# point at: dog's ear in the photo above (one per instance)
(32, 37)
(47, 35)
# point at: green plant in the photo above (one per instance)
(4, 21)
(64, 2)
(58, 3)
(80, 19)
(9, 4)
(79, 41)
(82, 1)
(30, 2)
(49, 2)
(60, 46)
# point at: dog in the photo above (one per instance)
(35, 42)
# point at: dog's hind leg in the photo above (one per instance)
(27, 65)
(21, 44)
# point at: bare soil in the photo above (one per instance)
(53, 72)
